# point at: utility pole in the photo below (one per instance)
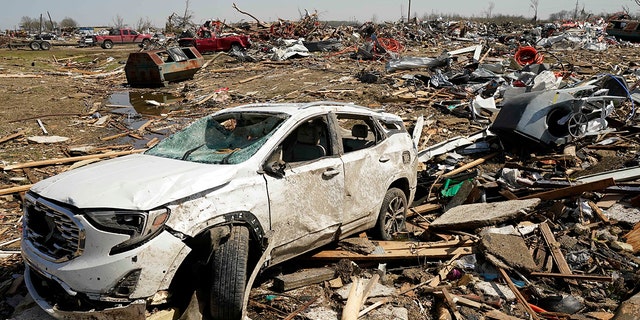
(409, 12)
(50, 21)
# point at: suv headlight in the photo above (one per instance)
(139, 225)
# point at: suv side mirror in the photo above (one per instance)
(274, 164)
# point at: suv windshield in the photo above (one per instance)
(228, 138)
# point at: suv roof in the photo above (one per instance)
(302, 108)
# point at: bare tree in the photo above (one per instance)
(29, 24)
(118, 22)
(68, 24)
(534, 5)
(489, 11)
(144, 25)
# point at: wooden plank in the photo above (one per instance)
(302, 278)
(573, 190)
(435, 281)
(448, 298)
(598, 211)
(12, 136)
(15, 189)
(508, 194)
(499, 315)
(423, 208)
(554, 247)
(573, 276)
(417, 245)
(433, 253)
(633, 238)
(516, 292)
(69, 159)
(470, 165)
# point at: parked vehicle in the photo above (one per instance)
(121, 36)
(209, 41)
(204, 204)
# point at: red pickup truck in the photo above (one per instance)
(121, 36)
(208, 41)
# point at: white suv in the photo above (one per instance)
(198, 209)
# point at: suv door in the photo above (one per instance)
(368, 167)
(306, 201)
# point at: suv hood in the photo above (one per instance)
(133, 182)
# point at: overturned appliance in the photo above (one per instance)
(157, 68)
(556, 117)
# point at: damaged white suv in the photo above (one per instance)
(195, 212)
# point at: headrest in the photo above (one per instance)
(308, 134)
(360, 130)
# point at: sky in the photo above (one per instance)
(104, 13)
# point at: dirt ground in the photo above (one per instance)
(65, 91)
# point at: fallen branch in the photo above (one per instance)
(260, 23)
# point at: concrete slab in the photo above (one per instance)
(510, 249)
(475, 215)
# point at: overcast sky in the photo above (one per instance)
(104, 12)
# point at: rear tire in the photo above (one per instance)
(393, 213)
(229, 275)
(45, 45)
(34, 45)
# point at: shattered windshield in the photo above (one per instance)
(228, 138)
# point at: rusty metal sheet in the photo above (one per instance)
(156, 68)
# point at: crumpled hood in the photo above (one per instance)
(133, 182)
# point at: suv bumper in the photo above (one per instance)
(96, 281)
(135, 310)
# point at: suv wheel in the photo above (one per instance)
(229, 275)
(392, 214)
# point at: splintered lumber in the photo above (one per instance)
(422, 209)
(556, 253)
(518, 295)
(402, 250)
(20, 75)
(15, 189)
(470, 165)
(251, 78)
(573, 276)
(573, 190)
(11, 136)
(598, 212)
(448, 298)
(633, 238)
(499, 315)
(357, 296)
(300, 309)
(69, 159)
(303, 278)
(435, 281)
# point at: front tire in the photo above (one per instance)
(107, 44)
(393, 213)
(229, 275)
(34, 45)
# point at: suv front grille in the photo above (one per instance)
(52, 230)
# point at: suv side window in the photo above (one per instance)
(309, 141)
(358, 132)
